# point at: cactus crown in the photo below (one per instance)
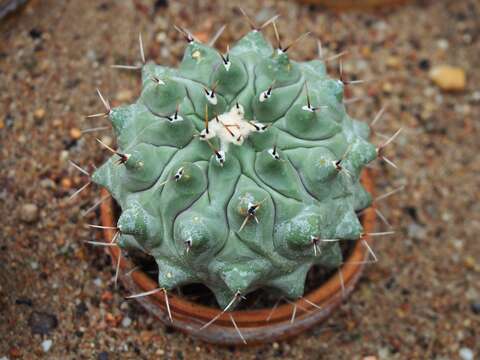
(238, 170)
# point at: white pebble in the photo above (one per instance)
(126, 321)
(107, 140)
(46, 345)
(164, 52)
(161, 37)
(476, 96)
(466, 353)
(29, 213)
(443, 44)
(64, 155)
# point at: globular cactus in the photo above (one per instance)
(238, 171)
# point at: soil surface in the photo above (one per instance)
(57, 298)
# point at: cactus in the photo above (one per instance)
(239, 171)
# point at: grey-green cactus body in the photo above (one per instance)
(255, 200)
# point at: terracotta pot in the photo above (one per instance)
(256, 326)
(353, 4)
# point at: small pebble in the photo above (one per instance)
(91, 55)
(394, 62)
(42, 323)
(15, 353)
(64, 155)
(424, 64)
(161, 37)
(448, 78)
(46, 345)
(470, 262)
(443, 44)
(475, 306)
(384, 353)
(159, 4)
(387, 87)
(124, 95)
(75, 133)
(39, 114)
(35, 33)
(103, 356)
(9, 120)
(111, 319)
(476, 96)
(164, 52)
(466, 353)
(107, 296)
(107, 140)
(29, 213)
(416, 231)
(126, 321)
(47, 183)
(66, 183)
(24, 301)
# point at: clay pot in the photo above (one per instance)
(256, 326)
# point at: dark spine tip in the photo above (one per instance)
(338, 165)
(252, 209)
(223, 57)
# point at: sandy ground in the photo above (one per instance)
(57, 300)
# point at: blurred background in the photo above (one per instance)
(421, 60)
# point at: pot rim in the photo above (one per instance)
(343, 284)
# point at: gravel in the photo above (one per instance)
(466, 354)
(29, 213)
(475, 306)
(126, 322)
(103, 356)
(42, 323)
(46, 345)
(427, 314)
